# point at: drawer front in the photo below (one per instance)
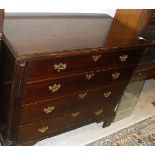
(151, 73)
(46, 109)
(68, 85)
(139, 76)
(68, 120)
(107, 109)
(56, 66)
(52, 125)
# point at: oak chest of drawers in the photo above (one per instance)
(62, 71)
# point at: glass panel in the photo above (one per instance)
(134, 88)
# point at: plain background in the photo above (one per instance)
(69, 6)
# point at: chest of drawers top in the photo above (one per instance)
(38, 35)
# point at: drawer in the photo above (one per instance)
(48, 89)
(52, 125)
(65, 121)
(151, 73)
(139, 76)
(104, 109)
(55, 66)
(46, 109)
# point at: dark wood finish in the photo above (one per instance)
(40, 90)
(44, 68)
(6, 85)
(54, 124)
(151, 73)
(59, 33)
(33, 44)
(151, 70)
(106, 120)
(31, 131)
(35, 111)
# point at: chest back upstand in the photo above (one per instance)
(62, 71)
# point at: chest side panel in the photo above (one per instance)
(7, 63)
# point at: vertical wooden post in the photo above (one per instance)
(1, 20)
(135, 19)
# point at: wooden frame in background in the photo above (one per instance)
(135, 19)
(1, 19)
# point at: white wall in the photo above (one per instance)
(73, 6)
(111, 12)
(84, 6)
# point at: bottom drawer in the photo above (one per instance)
(67, 120)
(52, 125)
(42, 128)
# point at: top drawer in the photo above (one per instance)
(54, 66)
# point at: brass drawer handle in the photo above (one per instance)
(107, 94)
(123, 58)
(54, 88)
(115, 75)
(96, 57)
(99, 112)
(49, 109)
(60, 67)
(43, 129)
(89, 76)
(74, 115)
(81, 96)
